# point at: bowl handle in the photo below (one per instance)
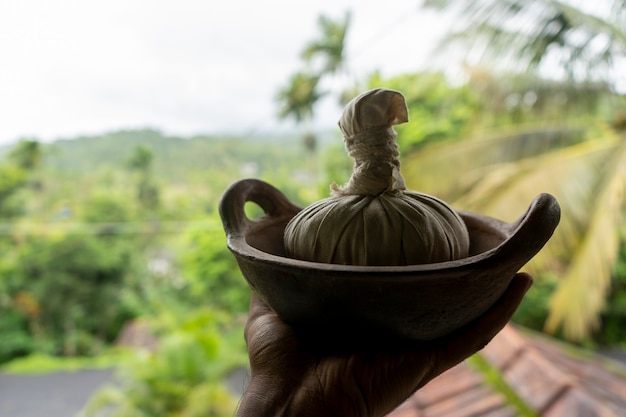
(517, 242)
(270, 199)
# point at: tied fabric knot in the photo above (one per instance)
(376, 163)
(367, 126)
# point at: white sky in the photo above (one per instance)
(70, 67)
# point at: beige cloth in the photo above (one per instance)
(367, 125)
(375, 108)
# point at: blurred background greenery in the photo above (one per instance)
(100, 231)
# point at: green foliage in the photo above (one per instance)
(494, 378)
(96, 227)
(77, 258)
(62, 289)
(16, 340)
(16, 174)
(534, 310)
(73, 283)
(39, 363)
(515, 99)
(331, 44)
(180, 378)
(437, 110)
(299, 97)
(140, 159)
(147, 192)
(585, 178)
(105, 208)
(212, 161)
(210, 400)
(613, 329)
(580, 160)
(553, 32)
(12, 179)
(211, 272)
(26, 154)
(322, 57)
(337, 167)
(586, 244)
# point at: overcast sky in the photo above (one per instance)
(71, 67)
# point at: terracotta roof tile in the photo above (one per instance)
(503, 350)
(535, 380)
(577, 403)
(550, 375)
(544, 374)
(458, 379)
(501, 412)
(460, 392)
(407, 409)
(603, 379)
(475, 402)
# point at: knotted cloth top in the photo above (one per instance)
(367, 126)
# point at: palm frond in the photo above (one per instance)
(299, 97)
(569, 174)
(581, 296)
(592, 23)
(460, 164)
(523, 34)
(587, 178)
(330, 47)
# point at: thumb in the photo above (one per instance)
(474, 336)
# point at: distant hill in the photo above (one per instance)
(174, 157)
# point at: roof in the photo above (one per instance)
(549, 378)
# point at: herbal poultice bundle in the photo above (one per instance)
(374, 220)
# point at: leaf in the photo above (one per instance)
(524, 34)
(581, 296)
(460, 164)
(588, 180)
(299, 97)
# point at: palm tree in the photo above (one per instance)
(331, 46)
(26, 154)
(529, 33)
(588, 178)
(141, 161)
(322, 57)
(299, 97)
(500, 174)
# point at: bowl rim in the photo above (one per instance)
(542, 215)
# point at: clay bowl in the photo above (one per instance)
(416, 302)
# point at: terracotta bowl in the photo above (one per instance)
(417, 302)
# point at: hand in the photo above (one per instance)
(294, 374)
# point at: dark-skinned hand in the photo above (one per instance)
(297, 374)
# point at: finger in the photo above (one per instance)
(475, 336)
(257, 307)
